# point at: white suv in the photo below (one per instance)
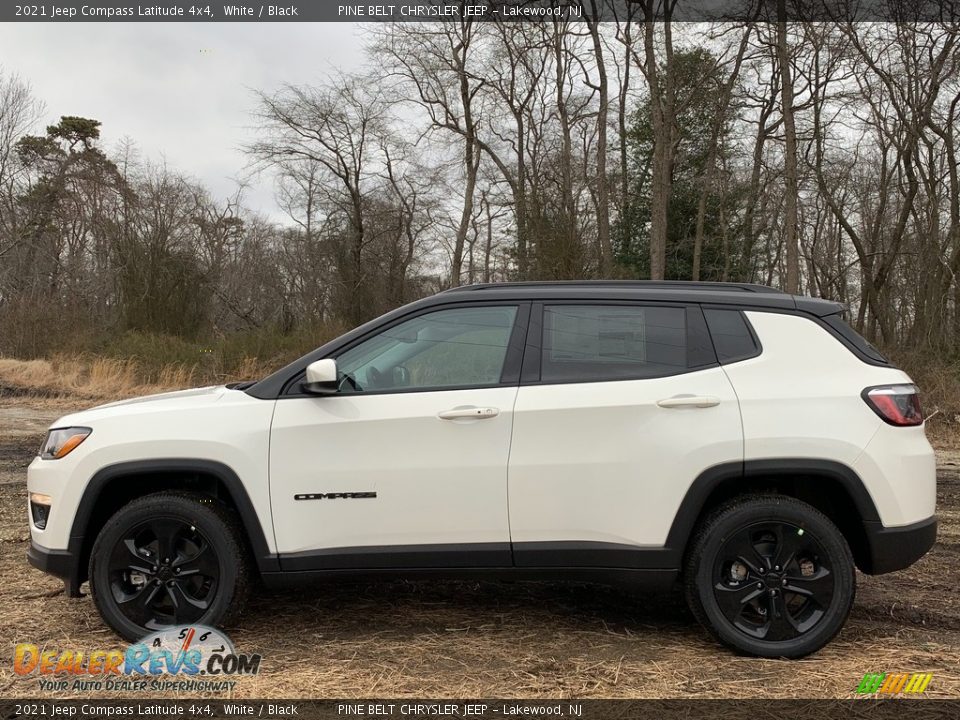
(740, 440)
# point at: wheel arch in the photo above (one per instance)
(830, 486)
(114, 486)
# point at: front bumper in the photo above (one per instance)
(895, 548)
(63, 564)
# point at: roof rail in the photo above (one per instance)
(638, 284)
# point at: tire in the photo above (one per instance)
(204, 581)
(770, 576)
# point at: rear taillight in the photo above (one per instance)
(895, 404)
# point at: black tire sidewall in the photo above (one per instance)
(766, 510)
(185, 509)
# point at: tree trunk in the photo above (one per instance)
(603, 188)
(472, 162)
(716, 127)
(792, 281)
(662, 109)
(489, 244)
(520, 202)
(622, 118)
(471, 158)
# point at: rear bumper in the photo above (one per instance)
(59, 563)
(895, 548)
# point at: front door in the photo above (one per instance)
(406, 466)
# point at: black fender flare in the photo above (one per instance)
(710, 479)
(253, 527)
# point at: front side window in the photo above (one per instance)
(460, 347)
(583, 343)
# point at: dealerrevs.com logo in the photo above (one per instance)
(187, 658)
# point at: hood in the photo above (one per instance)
(192, 392)
(177, 400)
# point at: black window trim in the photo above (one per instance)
(284, 383)
(758, 351)
(509, 376)
(848, 335)
(700, 352)
(820, 320)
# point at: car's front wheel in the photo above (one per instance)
(770, 576)
(166, 559)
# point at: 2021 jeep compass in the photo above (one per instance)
(743, 441)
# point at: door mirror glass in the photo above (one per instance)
(321, 377)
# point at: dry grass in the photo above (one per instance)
(484, 639)
(515, 639)
(939, 381)
(94, 378)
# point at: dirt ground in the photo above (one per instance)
(519, 640)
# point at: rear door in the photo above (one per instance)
(621, 407)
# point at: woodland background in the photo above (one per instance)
(821, 158)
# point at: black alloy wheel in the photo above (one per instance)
(163, 572)
(169, 559)
(772, 581)
(771, 576)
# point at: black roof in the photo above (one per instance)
(745, 295)
(625, 284)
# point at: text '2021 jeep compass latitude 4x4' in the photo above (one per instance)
(741, 440)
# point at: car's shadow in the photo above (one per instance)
(410, 607)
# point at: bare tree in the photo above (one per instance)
(435, 62)
(336, 127)
(659, 74)
(719, 121)
(602, 181)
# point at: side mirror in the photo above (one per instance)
(321, 377)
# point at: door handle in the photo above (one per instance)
(696, 401)
(469, 413)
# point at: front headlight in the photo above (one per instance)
(61, 442)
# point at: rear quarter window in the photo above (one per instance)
(731, 334)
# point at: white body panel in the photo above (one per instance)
(602, 462)
(216, 424)
(899, 470)
(437, 480)
(801, 399)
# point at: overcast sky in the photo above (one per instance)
(180, 91)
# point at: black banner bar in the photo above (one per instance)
(477, 10)
(406, 709)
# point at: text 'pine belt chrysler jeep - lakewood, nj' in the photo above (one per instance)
(742, 441)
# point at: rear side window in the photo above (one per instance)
(731, 335)
(583, 343)
(854, 339)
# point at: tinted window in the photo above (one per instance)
(448, 348)
(612, 342)
(731, 335)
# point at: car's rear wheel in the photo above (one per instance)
(169, 559)
(770, 576)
